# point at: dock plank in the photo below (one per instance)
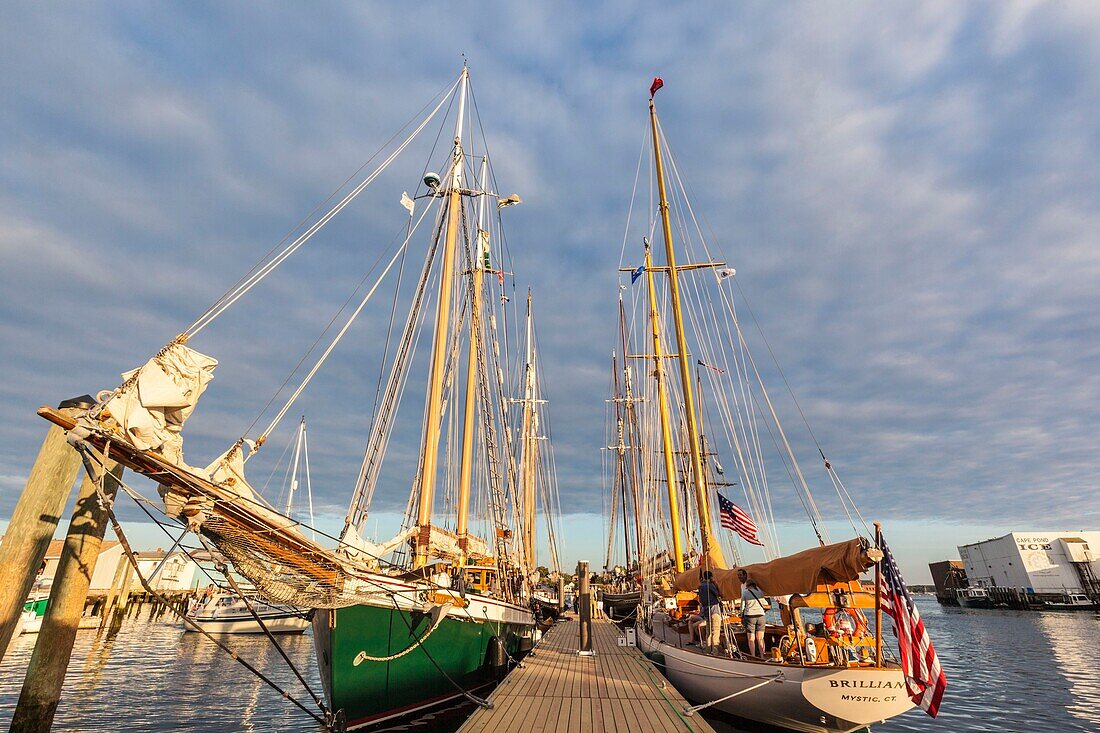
(618, 690)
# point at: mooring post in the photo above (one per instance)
(112, 592)
(33, 523)
(41, 692)
(561, 593)
(585, 609)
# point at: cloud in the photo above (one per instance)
(908, 194)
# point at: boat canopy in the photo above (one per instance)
(799, 573)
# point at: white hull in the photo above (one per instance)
(813, 700)
(34, 625)
(227, 614)
(276, 625)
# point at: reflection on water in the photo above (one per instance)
(1011, 671)
(1007, 671)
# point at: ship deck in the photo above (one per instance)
(616, 690)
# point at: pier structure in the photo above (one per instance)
(616, 689)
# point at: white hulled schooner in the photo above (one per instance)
(699, 400)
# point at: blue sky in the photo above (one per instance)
(909, 193)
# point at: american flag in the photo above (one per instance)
(735, 518)
(924, 679)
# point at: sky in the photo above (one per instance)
(910, 193)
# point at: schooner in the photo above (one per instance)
(443, 608)
(700, 399)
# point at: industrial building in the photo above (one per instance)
(1036, 563)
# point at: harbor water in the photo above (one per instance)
(1012, 671)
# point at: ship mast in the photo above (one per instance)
(529, 459)
(432, 418)
(712, 551)
(659, 373)
(476, 274)
(294, 465)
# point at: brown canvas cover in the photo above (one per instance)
(798, 573)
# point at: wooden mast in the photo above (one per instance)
(530, 452)
(476, 274)
(632, 428)
(660, 375)
(712, 551)
(432, 418)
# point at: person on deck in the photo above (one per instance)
(752, 613)
(710, 609)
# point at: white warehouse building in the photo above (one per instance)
(1036, 562)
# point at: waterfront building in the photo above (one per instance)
(1036, 562)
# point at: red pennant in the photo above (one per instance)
(657, 84)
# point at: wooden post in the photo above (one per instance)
(561, 593)
(878, 598)
(41, 692)
(112, 593)
(585, 608)
(32, 525)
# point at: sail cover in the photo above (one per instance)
(798, 573)
(158, 397)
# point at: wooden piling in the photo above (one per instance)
(32, 526)
(41, 691)
(112, 592)
(584, 609)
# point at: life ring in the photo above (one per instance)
(828, 620)
(810, 650)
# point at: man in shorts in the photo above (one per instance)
(752, 613)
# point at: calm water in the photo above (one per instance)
(1007, 671)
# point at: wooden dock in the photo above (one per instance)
(617, 690)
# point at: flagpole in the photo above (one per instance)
(878, 598)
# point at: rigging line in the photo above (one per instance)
(763, 389)
(308, 234)
(379, 436)
(389, 328)
(759, 328)
(630, 208)
(332, 321)
(117, 528)
(267, 632)
(335, 341)
(275, 467)
(444, 90)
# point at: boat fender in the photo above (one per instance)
(810, 651)
(496, 655)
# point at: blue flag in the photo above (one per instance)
(636, 274)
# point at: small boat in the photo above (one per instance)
(34, 610)
(974, 598)
(619, 606)
(227, 613)
(1072, 602)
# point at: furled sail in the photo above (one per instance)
(158, 397)
(445, 544)
(798, 573)
(355, 547)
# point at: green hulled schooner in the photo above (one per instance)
(440, 610)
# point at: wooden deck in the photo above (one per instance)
(618, 690)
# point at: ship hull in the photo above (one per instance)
(812, 700)
(446, 655)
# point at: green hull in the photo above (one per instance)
(372, 691)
